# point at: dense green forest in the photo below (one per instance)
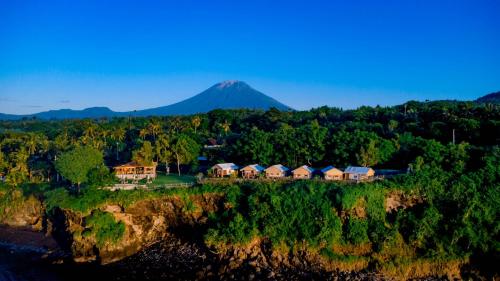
(386, 137)
(452, 150)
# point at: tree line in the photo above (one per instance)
(396, 137)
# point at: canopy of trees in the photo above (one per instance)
(76, 164)
(395, 137)
(450, 148)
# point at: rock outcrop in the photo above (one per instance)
(26, 212)
(146, 222)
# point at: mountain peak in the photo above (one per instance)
(230, 84)
(229, 94)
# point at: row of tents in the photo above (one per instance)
(279, 171)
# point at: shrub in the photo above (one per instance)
(357, 231)
(104, 228)
(100, 176)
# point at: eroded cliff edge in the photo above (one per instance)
(170, 230)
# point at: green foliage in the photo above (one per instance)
(15, 177)
(185, 150)
(100, 176)
(289, 213)
(75, 164)
(104, 228)
(144, 155)
(89, 199)
(371, 197)
(445, 214)
(357, 231)
(10, 200)
(449, 204)
(257, 145)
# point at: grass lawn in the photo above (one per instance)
(172, 178)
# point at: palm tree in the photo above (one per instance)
(226, 127)
(196, 122)
(154, 128)
(163, 150)
(20, 162)
(143, 133)
(91, 130)
(117, 135)
(35, 142)
(62, 142)
(92, 135)
(31, 143)
(176, 124)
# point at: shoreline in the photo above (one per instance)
(27, 240)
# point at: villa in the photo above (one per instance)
(358, 173)
(251, 171)
(303, 172)
(332, 173)
(277, 171)
(135, 171)
(224, 169)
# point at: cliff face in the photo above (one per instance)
(165, 236)
(145, 222)
(22, 212)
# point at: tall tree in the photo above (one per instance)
(153, 129)
(256, 147)
(196, 122)
(368, 155)
(226, 127)
(312, 142)
(185, 150)
(117, 135)
(75, 164)
(18, 170)
(163, 150)
(285, 145)
(144, 155)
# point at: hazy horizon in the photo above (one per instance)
(127, 56)
(344, 98)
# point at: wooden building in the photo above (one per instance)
(303, 172)
(276, 171)
(251, 171)
(224, 170)
(135, 171)
(358, 173)
(332, 173)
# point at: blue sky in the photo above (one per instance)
(140, 54)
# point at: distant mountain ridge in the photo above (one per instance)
(489, 98)
(231, 94)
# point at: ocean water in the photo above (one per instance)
(29, 264)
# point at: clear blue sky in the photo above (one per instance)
(139, 54)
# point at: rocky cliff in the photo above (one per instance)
(146, 222)
(163, 238)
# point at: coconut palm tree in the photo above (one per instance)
(90, 131)
(117, 135)
(196, 122)
(176, 124)
(143, 133)
(154, 128)
(163, 150)
(226, 127)
(31, 143)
